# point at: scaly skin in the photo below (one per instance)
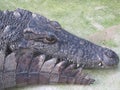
(23, 68)
(22, 29)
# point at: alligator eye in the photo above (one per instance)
(50, 39)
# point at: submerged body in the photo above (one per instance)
(22, 29)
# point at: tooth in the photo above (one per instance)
(100, 64)
(78, 65)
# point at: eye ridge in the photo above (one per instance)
(50, 38)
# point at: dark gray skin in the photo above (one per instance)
(21, 29)
(49, 38)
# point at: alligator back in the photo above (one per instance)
(12, 24)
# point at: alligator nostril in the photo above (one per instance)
(110, 54)
(110, 58)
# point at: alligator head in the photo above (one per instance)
(48, 37)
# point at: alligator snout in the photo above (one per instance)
(51, 39)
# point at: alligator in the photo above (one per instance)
(36, 50)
